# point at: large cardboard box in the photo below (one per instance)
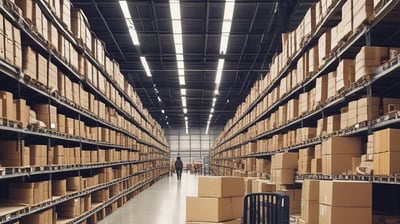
(345, 74)
(341, 145)
(345, 193)
(220, 186)
(310, 190)
(294, 198)
(213, 209)
(46, 113)
(38, 155)
(337, 164)
(69, 209)
(284, 160)
(236, 221)
(386, 163)
(283, 176)
(355, 215)
(263, 186)
(59, 187)
(333, 123)
(310, 211)
(13, 153)
(22, 111)
(387, 140)
(7, 105)
(74, 183)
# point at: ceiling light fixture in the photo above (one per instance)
(159, 99)
(183, 101)
(129, 22)
(218, 77)
(163, 111)
(212, 110)
(182, 80)
(145, 65)
(185, 110)
(183, 92)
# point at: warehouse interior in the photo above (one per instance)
(297, 99)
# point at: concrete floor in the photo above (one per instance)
(163, 203)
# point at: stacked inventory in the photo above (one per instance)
(219, 200)
(77, 141)
(331, 97)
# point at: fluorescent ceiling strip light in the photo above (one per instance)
(183, 101)
(163, 111)
(180, 65)
(219, 71)
(182, 80)
(210, 117)
(178, 38)
(175, 9)
(159, 99)
(181, 72)
(179, 57)
(186, 118)
(177, 27)
(178, 49)
(229, 8)
(145, 65)
(129, 23)
(212, 110)
(183, 92)
(224, 43)
(185, 110)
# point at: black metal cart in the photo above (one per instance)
(266, 208)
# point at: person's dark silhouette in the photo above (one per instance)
(178, 167)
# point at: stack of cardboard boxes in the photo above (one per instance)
(386, 151)
(338, 154)
(309, 202)
(345, 202)
(220, 200)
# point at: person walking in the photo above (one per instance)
(178, 167)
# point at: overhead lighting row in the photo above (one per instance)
(133, 33)
(225, 33)
(175, 9)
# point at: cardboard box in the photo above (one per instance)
(211, 186)
(69, 209)
(22, 111)
(59, 187)
(263, 186)
(333, 123)
(74, 183)
(283, 176)
(7, 105)
(284, 160)
(236, 221)
(310, 211)
(46, 113)
(341, 145)
(337, 164)
(294, 198)
(333, 214)
(386, 163)
(345, 193)
(38, 155)
(316, 166)
(13, 153)
(213, 209)
(387, 140)
(310, 190)
(345, 74)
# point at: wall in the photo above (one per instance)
(192, 147)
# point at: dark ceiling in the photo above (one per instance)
(255, 37)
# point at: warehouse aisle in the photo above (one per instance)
(163, 203)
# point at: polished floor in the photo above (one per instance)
(163, 203)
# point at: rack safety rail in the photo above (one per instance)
(266, 208)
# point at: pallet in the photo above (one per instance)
(10, 123)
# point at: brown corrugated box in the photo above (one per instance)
(38, 155)
(22, 111)
(46, 113)
(7, 105)
(69, 209)
(345, 74)
(333, 123)
(345, 193)
(59, 187)
(14, 154)
(213, 209)
(387, 140)
(333, 214)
